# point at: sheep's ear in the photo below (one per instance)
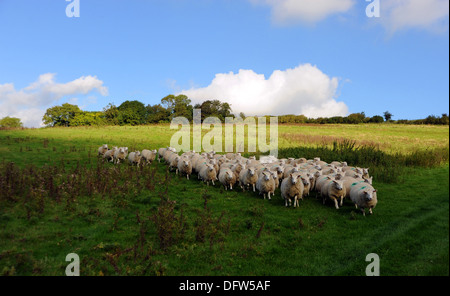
(375, 190)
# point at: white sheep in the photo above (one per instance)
(227, 178)
(208, 173)
(184, 167)
(148, 156)
(364, 196)
(102, 150)
(120, 154)
(334, 190)
(109, 155)
(292, 188)
(266, 184)
(134, 158)
(248, 177)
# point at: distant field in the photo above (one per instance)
(57, 199)
(387, 137)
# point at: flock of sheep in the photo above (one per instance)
(296, 178)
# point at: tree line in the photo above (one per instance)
(137, 113)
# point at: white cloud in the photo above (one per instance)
(398, 15)
(29, 104)
(306, 11)
(302, 90)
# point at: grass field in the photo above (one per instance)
(57, 199)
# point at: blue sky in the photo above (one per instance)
(336, 62)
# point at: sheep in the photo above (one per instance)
(161, 153)
(208, 173)
(364, 196)
(134, 158)
(306, 178)
(320, 182)
(184, 167)
(102, 150)
(334, 189)
(266, 184)
(120, 154)
(248, 177)
(148, 156)
(237, 168)
(109, 155)
(292, 188)
(173, 161)
(227, 178)
(275, 178)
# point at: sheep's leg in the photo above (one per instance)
(264, 195)
(187, 176)
(370, 211)
(231, 186)
(342, 201)
(336, 203)
(363, 211)
(269, 195)
(213, 182)
(253, 187)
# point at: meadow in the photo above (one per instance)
(57, 198)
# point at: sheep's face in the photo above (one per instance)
(154, 151)
(251, 171)
(337, 185)
(368, 180)
(293, 179)
(210, 168)
(368, 195)
(318, 174)
(186, 163)
(266, 176)
(305, 181)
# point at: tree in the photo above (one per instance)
(376, 119)
(87, 118)
(132, 112)
(60, 115)
(157, 114)
(356, 118)
(215, 108)
(387, 115)
(10, 122)
(111, 114)
(178, 106)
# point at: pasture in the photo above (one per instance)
(57, 198)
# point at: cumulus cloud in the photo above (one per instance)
(303, 90)
(29, 104)
(398, 15)
(307, 11)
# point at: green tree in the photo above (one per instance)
(10, 122)
(157, 114)
(88, 119)
(60, 115)
(376, 119)
(132, 112)
(111, 114)
(178, 106)
(387, 115)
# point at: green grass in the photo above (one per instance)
(131, 228)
